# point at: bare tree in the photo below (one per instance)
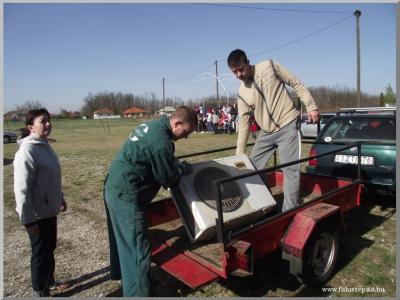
(333, 98)
(29, 105)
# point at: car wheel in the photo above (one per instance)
(6, 139)
(320, 257)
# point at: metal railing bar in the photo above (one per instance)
(220, 221)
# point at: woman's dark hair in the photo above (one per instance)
(30, 118)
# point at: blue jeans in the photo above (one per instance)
(42, 259)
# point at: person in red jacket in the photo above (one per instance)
(254, 129)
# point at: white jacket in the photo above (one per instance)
(37, 180)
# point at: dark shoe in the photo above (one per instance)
(43, 293)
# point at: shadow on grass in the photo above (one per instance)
(360, 221)
(162, 285)
(80, 284)
(270, 274)
(273, 274)
(385, 202)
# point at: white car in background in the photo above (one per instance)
(311, 130)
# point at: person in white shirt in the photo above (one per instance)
(39, 199)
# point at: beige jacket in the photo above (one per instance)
(268, 96)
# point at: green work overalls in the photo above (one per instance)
(144, 163)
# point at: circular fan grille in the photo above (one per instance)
(206, 188)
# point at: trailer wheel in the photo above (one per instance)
(320, 256)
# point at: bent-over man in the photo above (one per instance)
(144, 163)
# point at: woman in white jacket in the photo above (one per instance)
(39, 199)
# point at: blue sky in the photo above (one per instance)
(59, 53)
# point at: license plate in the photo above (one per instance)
(353, 159)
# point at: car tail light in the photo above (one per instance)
(313, 162)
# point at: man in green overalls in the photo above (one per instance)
(145, 163)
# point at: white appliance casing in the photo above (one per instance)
(200, 219)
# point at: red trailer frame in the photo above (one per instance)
(305, 234)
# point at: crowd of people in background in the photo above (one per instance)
(224, 119)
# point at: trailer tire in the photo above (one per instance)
(320, 256)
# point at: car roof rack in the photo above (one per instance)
(376, 109)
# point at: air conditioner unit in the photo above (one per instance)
(243, 200)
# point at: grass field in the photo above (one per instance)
(86, 149)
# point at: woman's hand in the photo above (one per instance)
(63, 205)
(32, 229)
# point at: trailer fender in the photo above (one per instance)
(303, 224)
(302, 228)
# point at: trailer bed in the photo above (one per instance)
(200, 263)
(173, 234)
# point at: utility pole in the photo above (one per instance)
(216, 78)
(163, 92)
(357, 13)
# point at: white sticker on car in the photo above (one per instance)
(353, 159)
(328, 139)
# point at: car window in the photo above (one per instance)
(325, 119)
(372, 129)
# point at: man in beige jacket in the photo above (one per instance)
(263, 93)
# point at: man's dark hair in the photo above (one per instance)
(187, 114)
(30, 118)
(236, 58)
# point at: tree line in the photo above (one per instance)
(333, 98)
(327, 99)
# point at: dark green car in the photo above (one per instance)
(377, 135)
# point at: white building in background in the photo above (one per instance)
(105, 113)
(166, 111)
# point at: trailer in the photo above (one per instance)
(306, 235)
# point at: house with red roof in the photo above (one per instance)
(134, 113)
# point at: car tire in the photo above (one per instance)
(6, 139)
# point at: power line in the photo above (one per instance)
(303, 37)
(271, 49)
(298, 39)
(276, 9)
